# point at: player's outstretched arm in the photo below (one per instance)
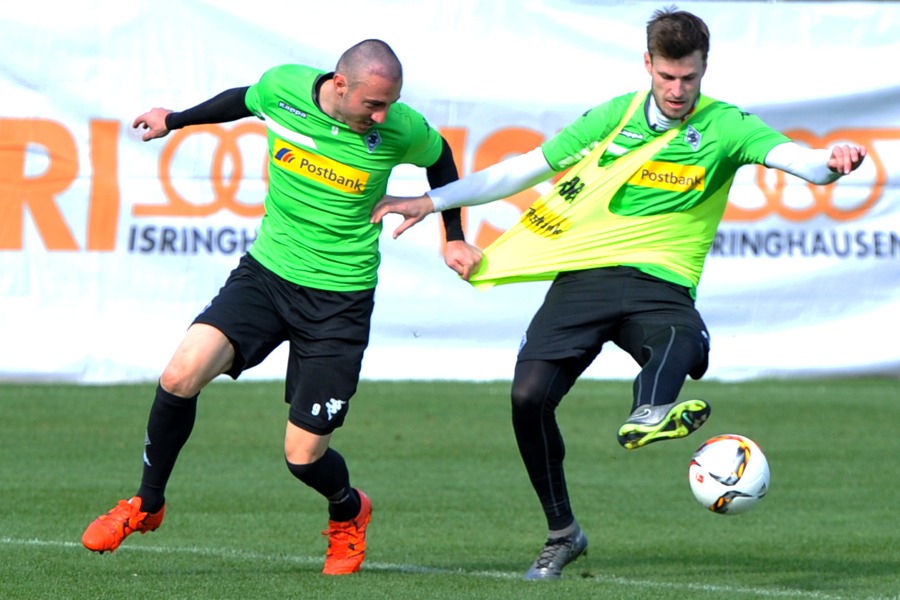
(816, 165)
(226, 106)
(498, 181)
(413, 209)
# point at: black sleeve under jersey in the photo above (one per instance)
(441, 173)
(227, 106)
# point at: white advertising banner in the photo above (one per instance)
(109, 246)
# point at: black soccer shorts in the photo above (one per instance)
(585, 309)
(327, 332)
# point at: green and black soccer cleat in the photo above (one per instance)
(648, 424)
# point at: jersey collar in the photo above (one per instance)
(317, 87)
(660, 122)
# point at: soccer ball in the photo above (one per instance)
(729, 474)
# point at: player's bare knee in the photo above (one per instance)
(301, 455)
(302, 447)
(179, 380)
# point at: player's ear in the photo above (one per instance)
(340, 84)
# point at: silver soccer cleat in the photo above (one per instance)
(556, 554)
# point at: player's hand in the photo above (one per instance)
(152, 123)
(412, 209)
(846, 158)
(462, 257)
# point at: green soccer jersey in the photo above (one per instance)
(324, 180)
(695, 168)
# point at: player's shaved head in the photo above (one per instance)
(367, 58)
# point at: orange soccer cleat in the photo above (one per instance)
(347, 541)
(107, 531)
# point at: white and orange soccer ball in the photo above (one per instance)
(729, 474)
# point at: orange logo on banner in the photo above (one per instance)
(823, 196)
(225, 188)
(38, 194)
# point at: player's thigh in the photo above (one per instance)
(204, 353)
(248, 312)
(325, 357)
(576, 318)
(663, 315)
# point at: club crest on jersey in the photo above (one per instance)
(373, 139)
(692, 137)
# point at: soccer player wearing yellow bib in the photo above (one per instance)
(623, 236)
(308, 279)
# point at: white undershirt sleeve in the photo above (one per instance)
(513, 175)
(806, 163)
(501, 180)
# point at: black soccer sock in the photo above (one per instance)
(330, 477)
(168, 428)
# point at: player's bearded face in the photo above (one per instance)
(367, 102)
(675, 82)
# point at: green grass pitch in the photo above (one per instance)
(454, 516)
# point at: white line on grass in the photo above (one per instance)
(421, 570)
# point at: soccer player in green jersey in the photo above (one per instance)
(623, 235)
(308, 279)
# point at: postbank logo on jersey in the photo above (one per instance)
(669, 176)
(329, 172)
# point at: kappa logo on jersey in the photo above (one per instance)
(631, 134)
(692, 137)
(670, 176)
(373, 140)
(328, 172)
(294, 111)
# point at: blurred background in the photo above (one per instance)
(109, 246)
